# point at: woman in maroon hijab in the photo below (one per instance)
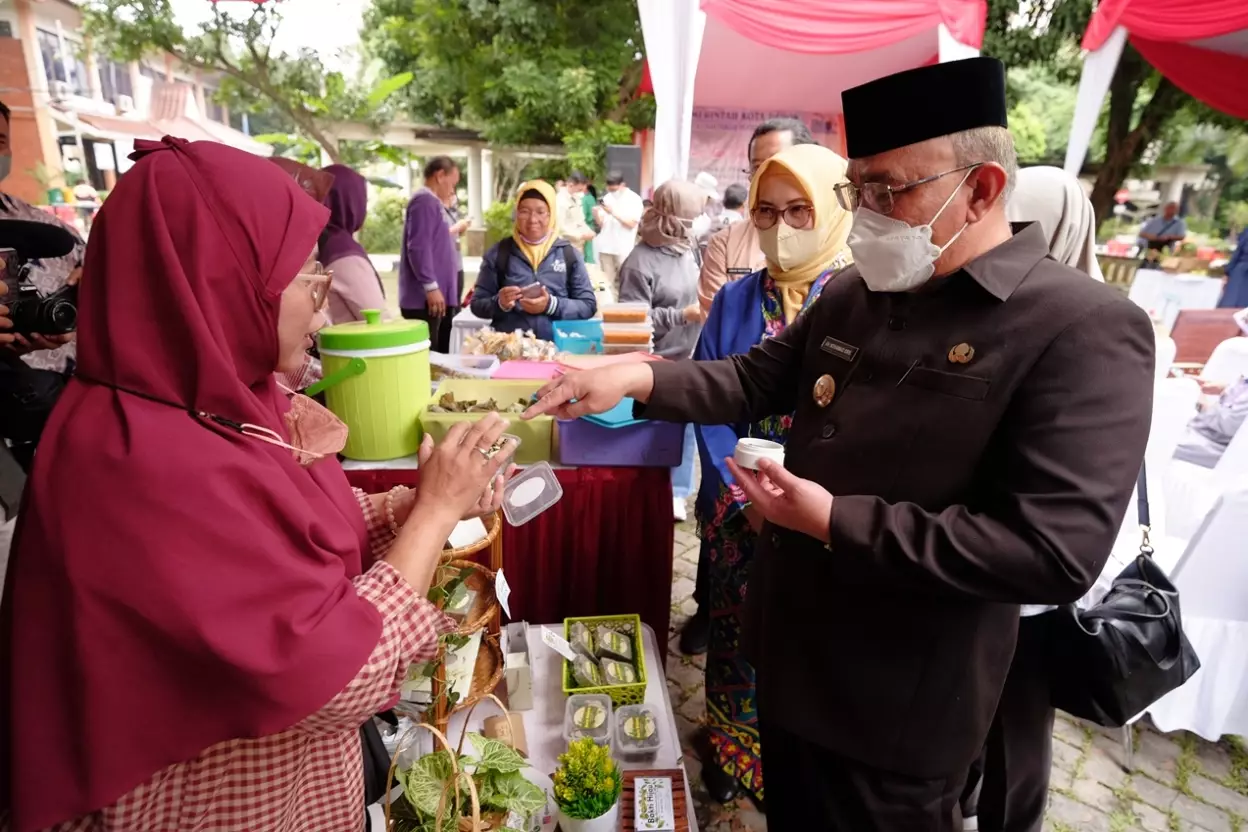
(356, 285)
(193, 628)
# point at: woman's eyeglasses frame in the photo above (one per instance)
(318, 282)
(797, 215)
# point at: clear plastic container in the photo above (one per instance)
(588, 715)
(627, 334)
(462, 366)
(530, 492)
(624, 349)
(625, 313)
(637, 737)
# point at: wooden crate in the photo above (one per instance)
(680, 805)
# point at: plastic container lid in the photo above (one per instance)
(749, 452)
(373, 333)
(589, 709)
(607, 329)
(530, 492)
(637, 732)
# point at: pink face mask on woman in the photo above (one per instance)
(315, 432)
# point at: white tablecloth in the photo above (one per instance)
(1164, 295)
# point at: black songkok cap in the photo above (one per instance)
(923, 103)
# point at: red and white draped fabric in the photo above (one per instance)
(768, 56)
(1200, 45)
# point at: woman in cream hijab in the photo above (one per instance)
(802, 233)
(1056, 200)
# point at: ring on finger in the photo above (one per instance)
(484, 453)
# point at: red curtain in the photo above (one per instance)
(1166, 20)
(604, 549)
(1216, 78)
(834, 27)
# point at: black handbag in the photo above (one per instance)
(1110, 662)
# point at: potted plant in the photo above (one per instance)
(587, 788)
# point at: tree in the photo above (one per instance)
(297, 89)
(1142, 103)
(523, 72)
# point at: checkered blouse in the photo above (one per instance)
(309, 778)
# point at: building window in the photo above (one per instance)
(62, 65)
(215, 112)
(114, 80)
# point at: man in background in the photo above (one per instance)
(733, 252)
(735, 196)
(571, 213)
(34, 369)
(1162, 233)
(429, 266)
(618, 216)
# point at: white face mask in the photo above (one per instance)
(787, 248)
(893, 256)
(6, 164)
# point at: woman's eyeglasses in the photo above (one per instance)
(795, 216)
(318, 281)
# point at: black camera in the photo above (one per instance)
(23, 241)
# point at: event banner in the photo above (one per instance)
(720, 137)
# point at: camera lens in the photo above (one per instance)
(62, 317)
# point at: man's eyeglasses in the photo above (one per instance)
(795, 216)
(318, 281)
(878, 196)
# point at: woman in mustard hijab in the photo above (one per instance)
(802, 232)
(534, 276)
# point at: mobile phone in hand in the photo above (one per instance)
(532, 291)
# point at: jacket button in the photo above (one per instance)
(895, 323)
(829, 431)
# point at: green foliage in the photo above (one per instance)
(587, 149)
(522, 71)
(431, 781)
(297, 89)
(499, 220)
(587, 781)
(383, 230)
(1236, 214)
(1029, 133)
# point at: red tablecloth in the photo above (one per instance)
(604, 549)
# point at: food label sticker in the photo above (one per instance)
(558, 644)
(502, 591)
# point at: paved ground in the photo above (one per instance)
(1180, 782)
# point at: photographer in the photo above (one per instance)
(33, 367)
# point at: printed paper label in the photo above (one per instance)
(558, 644)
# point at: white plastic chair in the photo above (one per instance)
(1212, 579)
(1166, 350)
(1228, 361)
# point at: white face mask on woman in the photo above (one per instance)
(893, 256)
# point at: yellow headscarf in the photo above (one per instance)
(535, 253)
(817, 171)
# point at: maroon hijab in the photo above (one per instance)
(174, 585)
(348, 207)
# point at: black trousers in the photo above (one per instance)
(439, 328)
(1019, 751)
(811, 789)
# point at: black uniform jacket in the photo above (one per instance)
(981, 443)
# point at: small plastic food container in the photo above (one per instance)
(637, 737)
(627, 334)
(530, 492)
(625, 349)
(749, 452)
(625, 313)
(588, 715)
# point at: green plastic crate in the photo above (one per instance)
(634, 694)
(535, 435)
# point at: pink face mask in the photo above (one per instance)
(315, 432)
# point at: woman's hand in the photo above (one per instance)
(456, 473)
(490, 501)
(592, 391)
(536, 305)
(693, 314)
(507, 297)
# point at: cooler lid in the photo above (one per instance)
(620, 416)
(373, 333)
